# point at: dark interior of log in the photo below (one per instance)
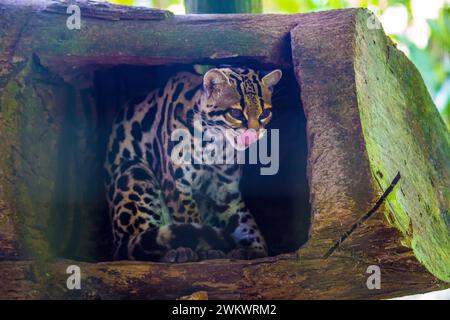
(279, 202)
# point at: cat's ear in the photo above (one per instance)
(270, 80)
(214, 81)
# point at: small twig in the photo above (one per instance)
(364, 217)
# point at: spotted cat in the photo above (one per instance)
(173, 212)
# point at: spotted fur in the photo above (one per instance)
(162, 211)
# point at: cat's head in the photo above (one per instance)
(239, 100)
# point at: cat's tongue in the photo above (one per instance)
(248, 137)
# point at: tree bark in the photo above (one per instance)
(223, 6)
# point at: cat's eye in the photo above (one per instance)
(236, 114)
(265, 114)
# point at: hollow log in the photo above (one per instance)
(369, 118)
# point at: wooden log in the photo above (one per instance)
(204, 38)
(404, 132)
(223, 6)
(283, 277)
(366, 108)
(369, 118)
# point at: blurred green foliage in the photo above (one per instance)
(432, 56)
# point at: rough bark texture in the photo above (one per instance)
(105, 11)
(283, 277)
(368, 116)
(204, 39)
(403, 132)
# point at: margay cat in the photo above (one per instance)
(163, 211)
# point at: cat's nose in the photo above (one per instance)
(253, 123)
(248, 137)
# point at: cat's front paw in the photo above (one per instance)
(180, 255)
(246, 254)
